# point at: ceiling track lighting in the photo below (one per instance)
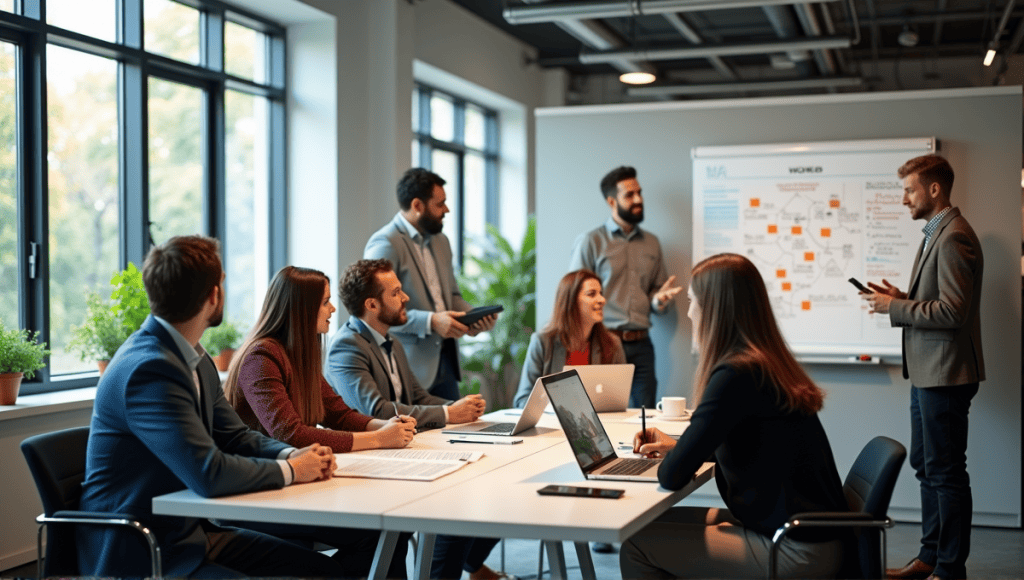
(747, 86)
(993, 46)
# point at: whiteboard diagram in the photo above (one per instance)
(810, 216)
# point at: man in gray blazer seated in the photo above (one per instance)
(939, 315)
(369, 369)
(422, 258)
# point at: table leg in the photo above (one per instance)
(586, 562)
(556, 557)
(382, 557)
(424, 556)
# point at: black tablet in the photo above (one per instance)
(470, 318)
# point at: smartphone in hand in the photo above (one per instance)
(860, 286)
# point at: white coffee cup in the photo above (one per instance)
(672, 406)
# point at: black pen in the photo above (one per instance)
(643, 425)
(495, 442)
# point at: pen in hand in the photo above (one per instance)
(643, 425)
(397, 414)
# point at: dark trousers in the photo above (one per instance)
(645, 384)
(938, 454)
(453, 554)
(356, 547)
(446, 383)
(238, 553)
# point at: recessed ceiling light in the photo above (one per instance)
(637, 78)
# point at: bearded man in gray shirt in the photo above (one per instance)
(629, 262)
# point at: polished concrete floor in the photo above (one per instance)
(996, 553)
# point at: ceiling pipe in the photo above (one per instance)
(690, 34)
(534, 14)
(785, 26)
(597, 36)
(706, 50)
(826, 64)
(746, 86)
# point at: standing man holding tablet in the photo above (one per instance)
(422, 257)
(942, 357)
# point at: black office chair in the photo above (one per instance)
(868, 489)
(57, 463)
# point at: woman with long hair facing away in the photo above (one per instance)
(758, 416)
(277, 386)
(575, 335)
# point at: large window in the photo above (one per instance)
(123, 123)
(458, 140)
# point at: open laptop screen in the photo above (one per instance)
(587, 437)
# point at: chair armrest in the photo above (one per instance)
(839, 516)
(108, 519)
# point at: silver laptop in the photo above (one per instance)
(607, 385)
(532, 413)
(589, 441)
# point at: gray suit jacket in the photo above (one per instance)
(423, 345)
(546, 356)
(358, 370)
(941, 316)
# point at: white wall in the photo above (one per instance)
(980, 130)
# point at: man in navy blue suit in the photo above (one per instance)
(161, 424)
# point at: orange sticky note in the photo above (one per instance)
(808, 256)
(826, 232)
(773, 229)
(755, 202)
(780, 273)
(805, 305)
(797, 230)
(787, 286)
(833, 203)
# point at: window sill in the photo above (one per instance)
(47, 403)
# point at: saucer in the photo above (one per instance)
(685, 417)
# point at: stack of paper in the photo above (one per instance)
(410, 464)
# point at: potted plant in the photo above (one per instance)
(108, 323)
(500, 275)
(20, 356)
(221, 341)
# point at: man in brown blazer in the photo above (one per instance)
(942, 358)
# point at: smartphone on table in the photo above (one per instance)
(574, 491)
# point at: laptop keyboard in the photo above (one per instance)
(631, 466)
(498, 428)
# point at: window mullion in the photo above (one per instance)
(133, 147)
(32, 187)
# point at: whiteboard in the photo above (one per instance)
(810, 216)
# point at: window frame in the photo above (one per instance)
(27, 29)
(491, 154)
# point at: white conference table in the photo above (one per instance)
(493, 497)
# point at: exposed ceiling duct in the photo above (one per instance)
(625, 8)
(706, 50)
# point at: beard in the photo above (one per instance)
(429, 224)
(627, 215)
(217, 317)
(394, 317)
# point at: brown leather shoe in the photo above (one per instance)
(914, 570)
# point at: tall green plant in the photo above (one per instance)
(108, 323)
(500, 274)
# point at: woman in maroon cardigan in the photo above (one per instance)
(276, 385)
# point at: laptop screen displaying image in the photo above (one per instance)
(587, 437)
